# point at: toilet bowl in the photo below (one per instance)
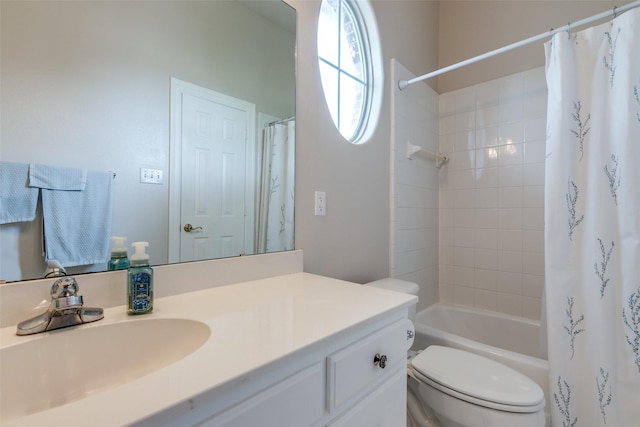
(464, 389)
(467, 390)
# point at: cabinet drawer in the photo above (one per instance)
(352, 370)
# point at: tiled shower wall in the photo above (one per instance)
(414, 188)
(492, 194)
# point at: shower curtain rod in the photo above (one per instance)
(281, 121)
(402, 84)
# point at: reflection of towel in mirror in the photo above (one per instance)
(17, 200)
(77, 224)
(56, 177)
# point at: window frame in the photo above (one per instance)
(363, 34)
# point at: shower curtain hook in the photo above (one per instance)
(615, 12)
(569, 30)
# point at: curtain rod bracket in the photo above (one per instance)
(413, 149)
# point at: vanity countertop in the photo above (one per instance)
(253, 325)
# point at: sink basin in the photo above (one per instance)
(69, 364)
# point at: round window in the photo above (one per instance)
(349, 66)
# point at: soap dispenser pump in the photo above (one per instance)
(119, 256)
(140, 282)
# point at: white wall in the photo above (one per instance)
(492, 194)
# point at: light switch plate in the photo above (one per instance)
(151, 176)
(321, 203)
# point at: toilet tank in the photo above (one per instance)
(398, 285)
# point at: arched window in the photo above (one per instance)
(349, 67)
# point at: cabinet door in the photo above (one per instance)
(385, 406)
(295, 402)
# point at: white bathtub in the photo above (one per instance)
(511, 340)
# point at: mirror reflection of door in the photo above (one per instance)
(214, 187)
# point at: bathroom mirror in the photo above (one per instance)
(88, 85)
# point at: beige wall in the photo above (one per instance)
(470, 28)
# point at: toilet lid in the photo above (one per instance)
(476, 376)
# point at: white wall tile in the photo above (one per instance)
(510, 240)
(510, 175)
(492, 194)
(533, 285)
(485, 198)
(487, 94)
(487, 176)
(533, 219)
(533, 241)
(510, 261)
(531, 307)
(511, 111)
(535, 129)
(533, 196)
(512, 133)
(464, 295)
(533, 173)
(510, 154)
(533, 263)
(463, 276)
(534, 151)
(486, 259)
(510, 218)
(486, 157)
(509, 303)
(486, 218)
(509, 282)
(486, 299)
(486, 238)
(486, 279)
(487, 117)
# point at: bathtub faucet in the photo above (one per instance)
(66, 309)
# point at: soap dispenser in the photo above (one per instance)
(140, 282)
(119, 257)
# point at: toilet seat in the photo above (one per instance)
(477, 379)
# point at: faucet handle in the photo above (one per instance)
(69, 287)
(64, 293)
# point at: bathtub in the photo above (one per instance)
(511, 340)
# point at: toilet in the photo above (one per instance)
(464, 389)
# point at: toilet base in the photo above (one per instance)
(418, 413)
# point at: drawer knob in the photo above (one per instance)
(379, 360)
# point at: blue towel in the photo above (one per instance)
(77, 224)
(17, 201)
(57, 178)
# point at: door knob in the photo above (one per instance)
(189, 228)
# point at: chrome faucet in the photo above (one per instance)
(66, 309)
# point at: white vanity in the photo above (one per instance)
(291, 350)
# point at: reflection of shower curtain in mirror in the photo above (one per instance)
(592, 226)
(275, 228)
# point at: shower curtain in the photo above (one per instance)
(592, 224)
(275, 228)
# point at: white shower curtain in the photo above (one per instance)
(592, 224)
(275, 227)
